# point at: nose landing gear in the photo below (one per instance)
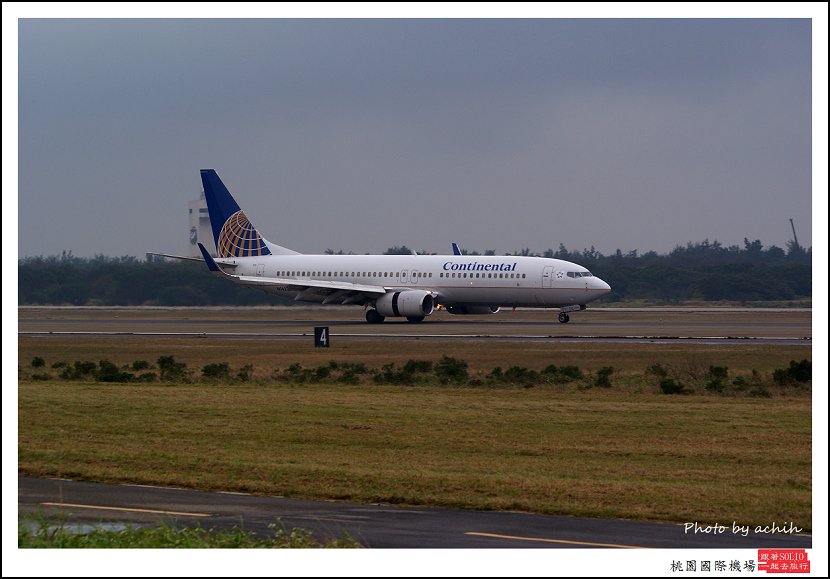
(564, 318)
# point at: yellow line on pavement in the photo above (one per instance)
(561, 541)
(129, 510)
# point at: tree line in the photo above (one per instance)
(706, 271)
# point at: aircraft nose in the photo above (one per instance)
(601, 285)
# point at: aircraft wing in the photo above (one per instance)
(308, 290)
(312, 290)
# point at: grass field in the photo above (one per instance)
(45, 534)
(626, 451)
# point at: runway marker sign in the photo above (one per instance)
(321, 337)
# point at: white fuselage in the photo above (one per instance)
(455, 279)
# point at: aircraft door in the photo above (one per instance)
(413, 277)
(404, 276)
(260, 269)
(547, 277)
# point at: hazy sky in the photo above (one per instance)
(363, 134)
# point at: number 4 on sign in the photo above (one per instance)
(321, 337)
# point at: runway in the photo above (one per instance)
(377, 526)
(660, 325)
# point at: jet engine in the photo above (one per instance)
(409, 303)
(472, 310)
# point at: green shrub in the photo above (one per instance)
(417, 366)
(520, 375)
(657, 370)
(245, 372)
(172, 371)
(561, 374)
(571, 372)
(78, 370)
(603, 377)
(449, 370)
(669, 386)
(717, 375)
(109, 372)
(38, 362)
(715, 386)
(801, 372)
(218, 371)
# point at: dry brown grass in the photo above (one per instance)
(592, 454)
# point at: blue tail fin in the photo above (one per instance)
(233, 233)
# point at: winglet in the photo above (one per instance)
(209, 260)
(455, 250)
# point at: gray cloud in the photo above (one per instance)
(361, 134)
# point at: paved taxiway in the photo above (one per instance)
(378, 526)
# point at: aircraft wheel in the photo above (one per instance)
(415, 319)
(373, 317)
(564, 318)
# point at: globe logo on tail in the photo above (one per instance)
(238, 238)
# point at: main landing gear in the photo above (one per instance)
(564, 318)
(373, 317)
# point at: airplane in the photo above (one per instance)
(401, 286)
